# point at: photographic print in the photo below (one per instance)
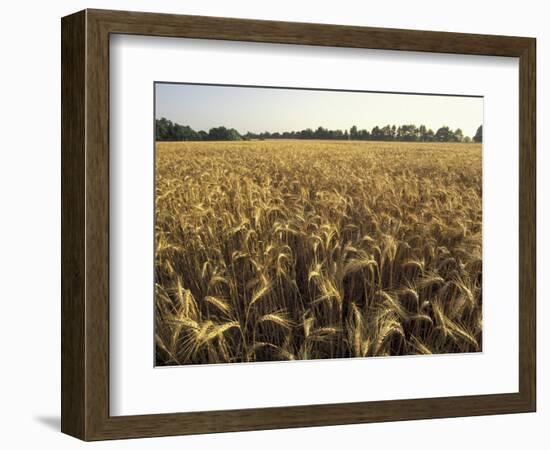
(304, 224)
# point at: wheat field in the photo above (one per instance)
(293, 250)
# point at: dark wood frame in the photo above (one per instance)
(85, 224)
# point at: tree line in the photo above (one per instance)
(166, 130)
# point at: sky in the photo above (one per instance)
(273, 109)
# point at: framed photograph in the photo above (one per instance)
(270, 224)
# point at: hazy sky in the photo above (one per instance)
(269, 109)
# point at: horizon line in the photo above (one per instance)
(312, 129)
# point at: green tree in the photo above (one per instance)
(458, 136)
(408, 132)
(430, 135)
(478, 137)
(386, 132)
(422, 133)
(444, 134)
(223, 134)
(353, 132)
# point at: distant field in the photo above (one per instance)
(288, 250)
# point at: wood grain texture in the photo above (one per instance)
(85, 224)
(97, 225)
(527, 224)
(73, 111)
(151, 24)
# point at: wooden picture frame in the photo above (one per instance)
(85, 224)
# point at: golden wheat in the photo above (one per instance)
(287, 250)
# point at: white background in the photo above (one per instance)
(136, 387)
(30, 237)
